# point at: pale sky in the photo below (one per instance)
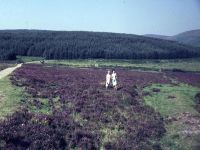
(166, 17)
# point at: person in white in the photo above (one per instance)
(114, 79)
(108, 77)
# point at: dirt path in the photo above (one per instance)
(8, 71)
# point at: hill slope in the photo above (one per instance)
(77, 44)
(189, 37)
(164, 37)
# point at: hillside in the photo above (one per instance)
(83, 45)
(164, 37)
(189, 37)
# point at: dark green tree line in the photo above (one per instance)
(72, 45)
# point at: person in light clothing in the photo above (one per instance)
(108, 77)
(114, 79)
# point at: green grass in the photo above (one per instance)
(111, 134)
(176, 141)
(182, 101)
(153, 65)
(10, 97)
(26, 59)
(190, 64)
(45, 108)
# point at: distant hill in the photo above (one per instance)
(83, 45)
(189, 37)
(164, 37)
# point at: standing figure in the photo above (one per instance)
(108, 77)
(114, 79)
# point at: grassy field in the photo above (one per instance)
(10, 97)
(190, 64)
(26, 59)
(174, 101)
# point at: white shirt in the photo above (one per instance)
(114, 75)
(108, 78)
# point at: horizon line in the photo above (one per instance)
(55, 30)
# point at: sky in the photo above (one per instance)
(165, 17)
